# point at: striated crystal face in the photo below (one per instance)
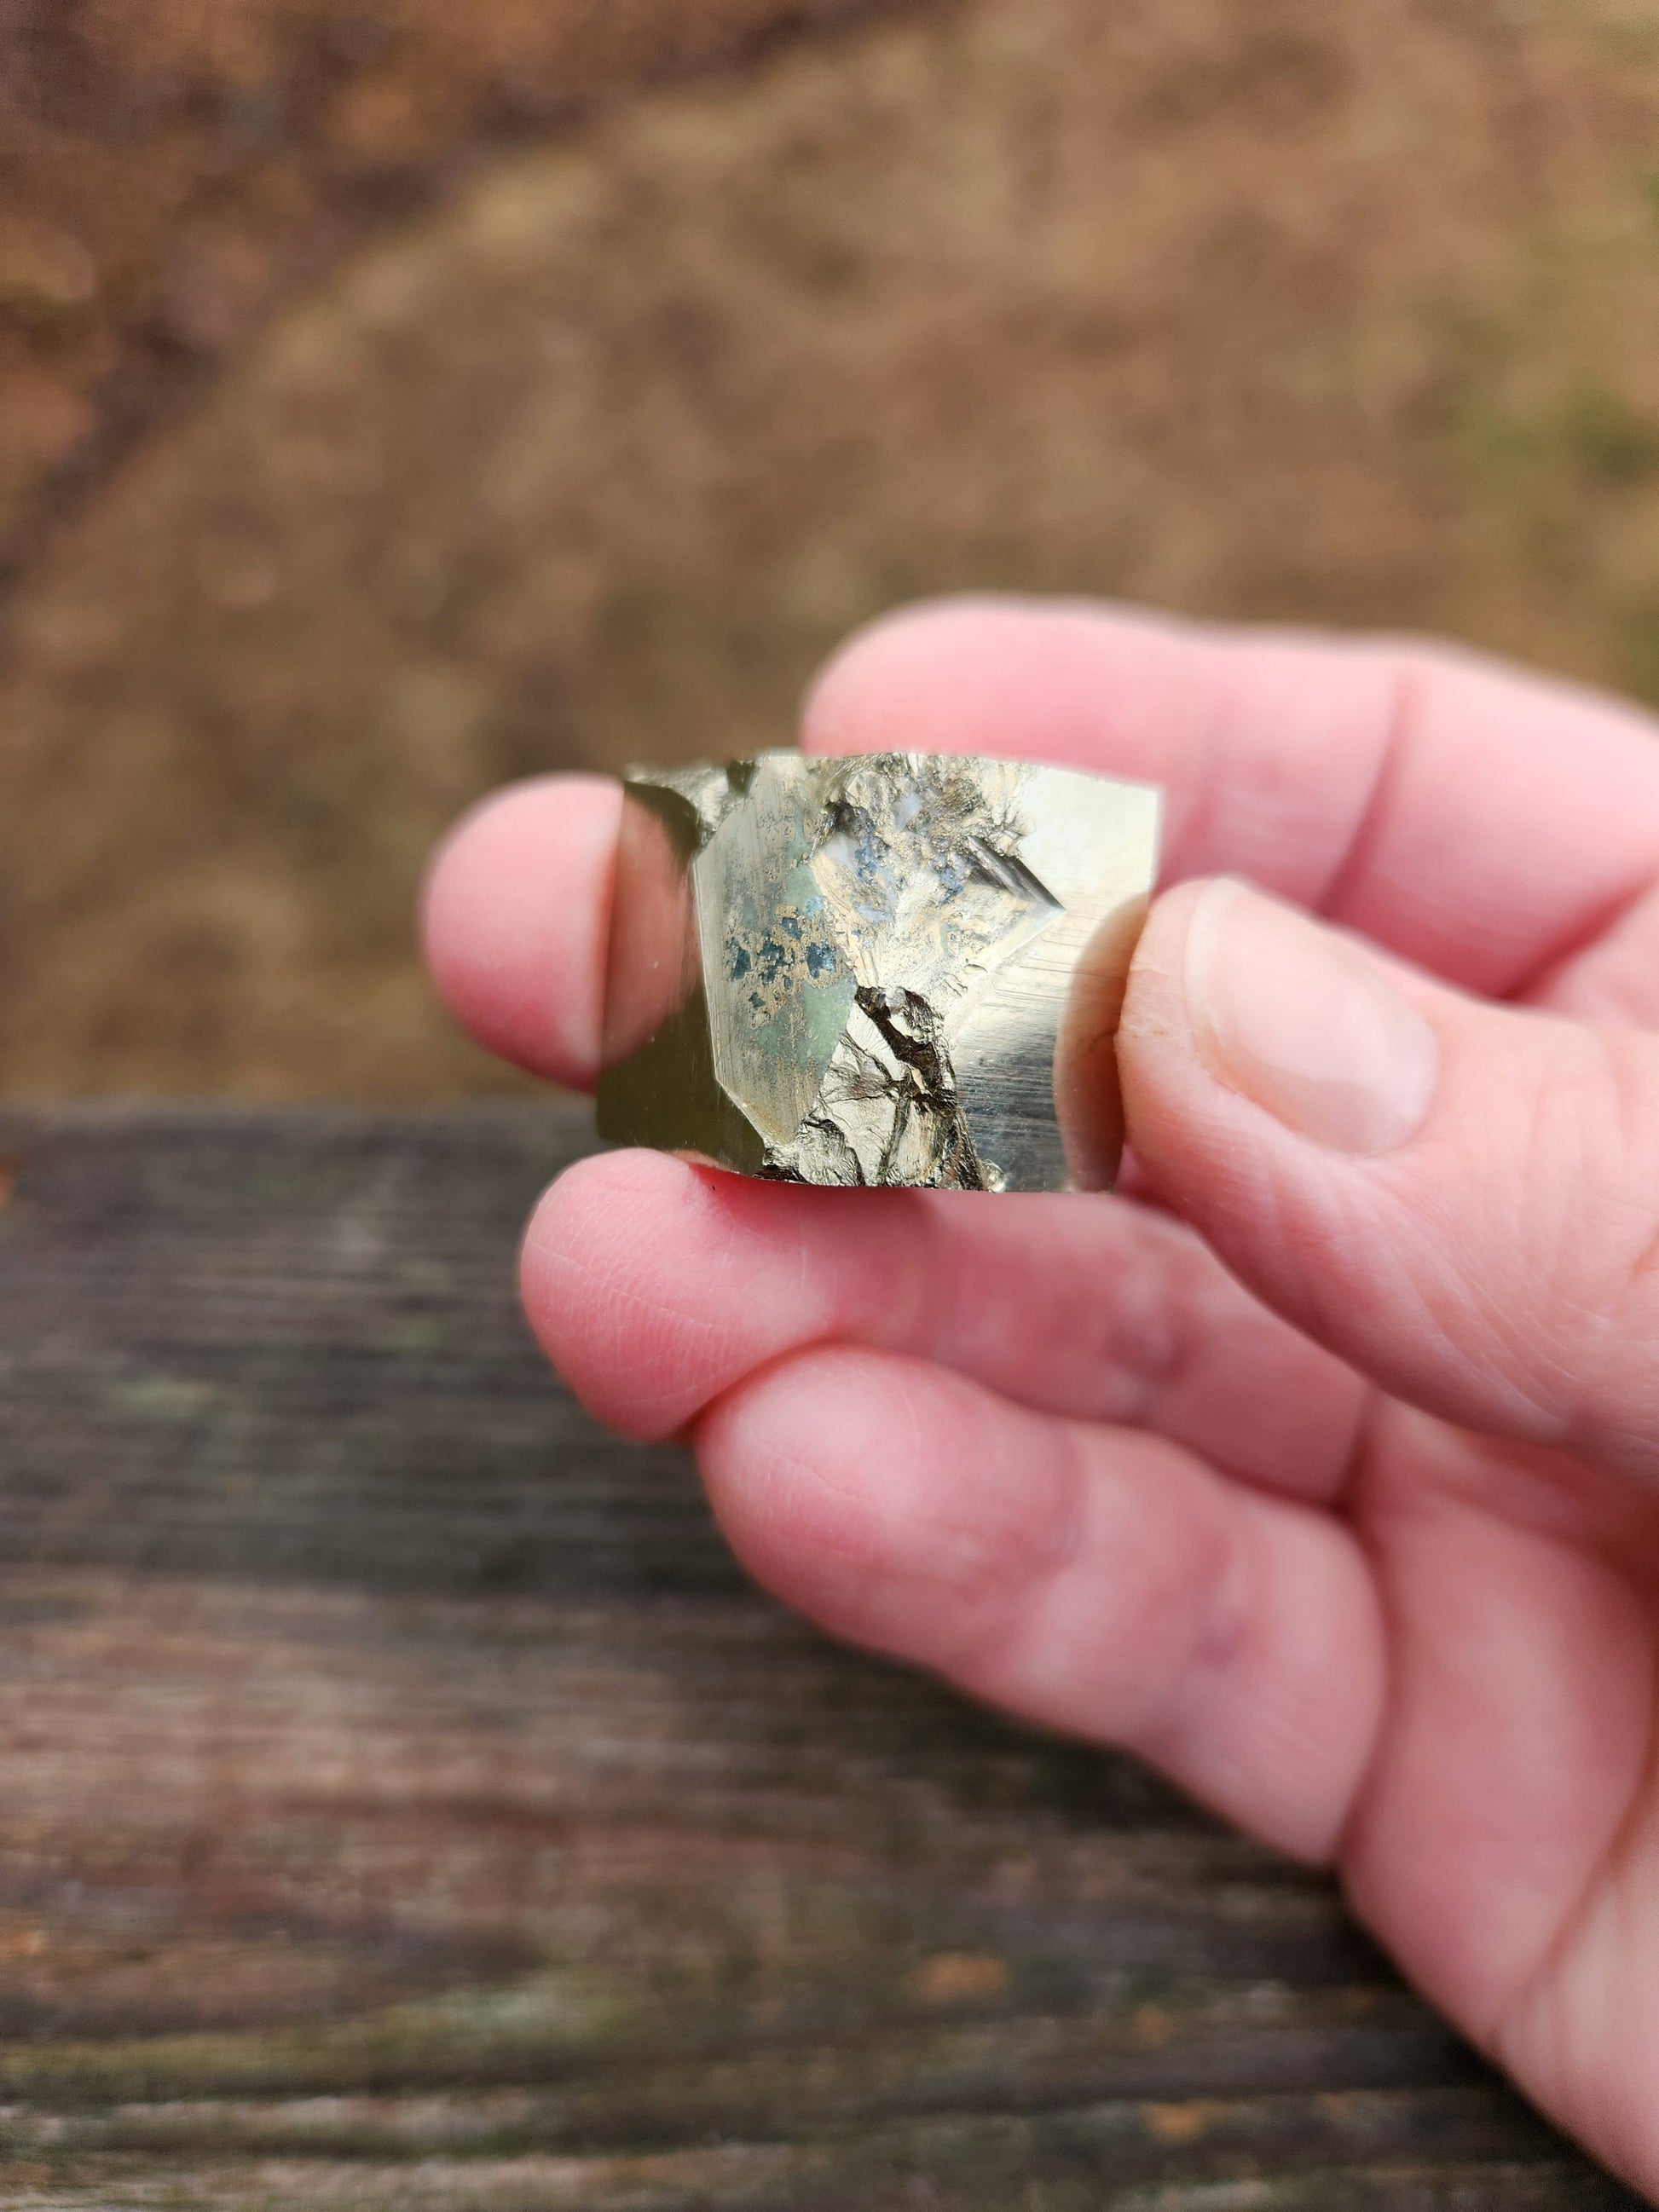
(890, 968)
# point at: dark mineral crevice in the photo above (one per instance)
(913, 1033)
(825, 1144)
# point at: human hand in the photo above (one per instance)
(1324, 1472)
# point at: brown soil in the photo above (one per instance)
(1346, 315)
(168, 171)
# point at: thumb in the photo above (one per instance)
(1460, 1199)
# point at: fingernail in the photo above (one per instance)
(1303, 1022)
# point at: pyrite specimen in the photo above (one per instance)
(887, 968)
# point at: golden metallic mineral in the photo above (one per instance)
(893, 967)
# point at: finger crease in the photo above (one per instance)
(1220, 1642)
(1400, 720)
(1004, 1595)
(1505, 2030)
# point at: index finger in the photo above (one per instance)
(1478, 821)
(515, 913)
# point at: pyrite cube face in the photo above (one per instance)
(892, 969)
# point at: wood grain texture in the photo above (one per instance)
(407, 1803)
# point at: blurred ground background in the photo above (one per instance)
(397, 396)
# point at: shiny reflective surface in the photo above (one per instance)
(890, 968)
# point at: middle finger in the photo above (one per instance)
(656, 1287)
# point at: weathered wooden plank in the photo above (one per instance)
(407, 1803)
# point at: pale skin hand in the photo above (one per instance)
(1356, 1535)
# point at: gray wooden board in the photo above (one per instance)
(407, 1803)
